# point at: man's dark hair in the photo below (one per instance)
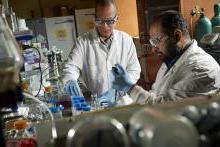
(170, 21)
(104, 3)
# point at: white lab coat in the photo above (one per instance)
(195, 73)
(95, 61)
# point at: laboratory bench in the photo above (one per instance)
(121, 114)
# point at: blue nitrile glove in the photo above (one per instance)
(72, 88)
(121, 79)
(107, 97)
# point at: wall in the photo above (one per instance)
(37, 8)
(23, 8)
(128, 22)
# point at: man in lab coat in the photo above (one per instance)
(96, 52)
(187, 70)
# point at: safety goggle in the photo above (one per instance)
(154, 41)
(109, 22)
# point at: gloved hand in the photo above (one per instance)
(72, 88)
(121, 79)
(108, 98)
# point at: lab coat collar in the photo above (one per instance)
(171, 62)
(95, 35)
(182, 58)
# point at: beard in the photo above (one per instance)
(172, 49)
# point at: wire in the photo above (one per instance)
(40, 69)
(49, 71)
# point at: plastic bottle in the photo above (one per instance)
(20, 126)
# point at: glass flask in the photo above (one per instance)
(10, 56)
(97, 131)
(153, 128)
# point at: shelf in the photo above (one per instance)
(23, 35)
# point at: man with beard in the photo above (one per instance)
(187, 70)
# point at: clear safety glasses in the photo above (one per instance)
(154, 41)
(109, 22)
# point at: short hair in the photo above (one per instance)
(170, 21)
(105, 3)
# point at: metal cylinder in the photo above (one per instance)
(10, 57)
(216, 19)
(203, 26)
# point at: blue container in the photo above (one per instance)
(86, 108)
(77, 99)
(76, 105)
(78, 108)
(79, 104)
(80, 98)
(84, 104)
(54, 109)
